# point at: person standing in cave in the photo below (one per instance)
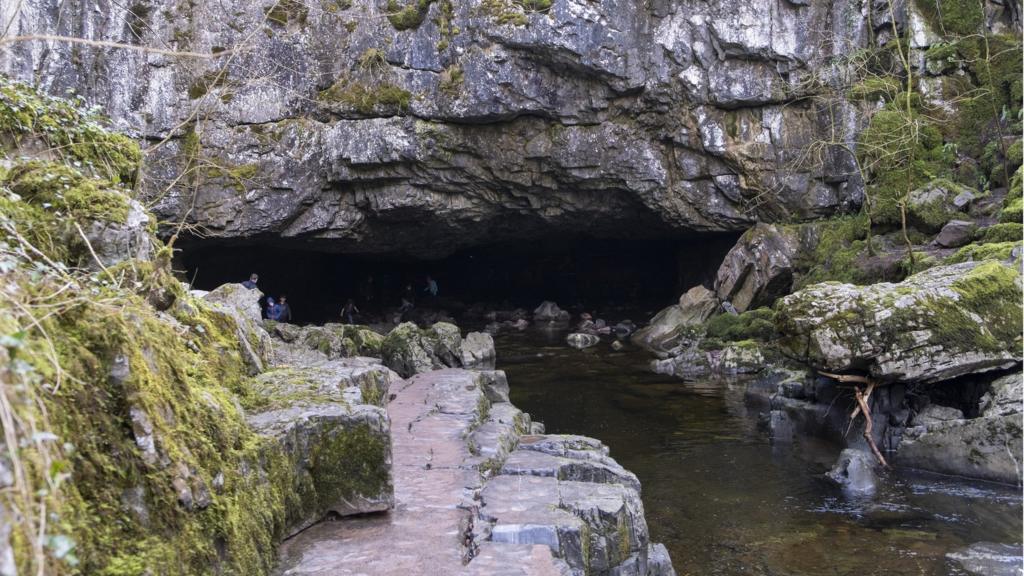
(272, 311)
(251, 282)
(431, 287)
(284, 311)
(348, 313)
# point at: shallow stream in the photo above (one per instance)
(722, 497)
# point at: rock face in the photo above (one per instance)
(357, 134)
(935, 325)
(984, 447)
(759, 268)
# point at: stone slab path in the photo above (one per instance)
(435, 480)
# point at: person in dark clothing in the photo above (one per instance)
(348, 313)
(272, 311)
(251, 282)
(431, 287)
(284, 311)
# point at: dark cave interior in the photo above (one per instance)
(575, 272)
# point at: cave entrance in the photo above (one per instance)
(577, 273)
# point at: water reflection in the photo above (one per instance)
(721, 497)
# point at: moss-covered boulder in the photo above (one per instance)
(409, 350)
(328, 422)
(242, 305)
(930, 207)
(341, 340)
(935, 325)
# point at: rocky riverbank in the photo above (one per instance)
(941, 349)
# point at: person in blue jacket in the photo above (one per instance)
(273, 312)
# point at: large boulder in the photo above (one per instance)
(675, 324)
(478, 351)
(854, 471)
(935, 325)
(242, 305)
(986, 447)
(759, 268)
(327, 426)
(409, 350)
(930, 207)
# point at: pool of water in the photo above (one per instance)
(721, 497)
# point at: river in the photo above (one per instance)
(722, 497)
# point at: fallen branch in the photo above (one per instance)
(862, 395)
(110, 44)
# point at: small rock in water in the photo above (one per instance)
(618, 345)
(855, 472)
(581, 341)
(989, 559)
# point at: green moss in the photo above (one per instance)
(368, 99)
(875, 88)
(409, 16)
(69, 131)
(67, 191)
(351, 462)
(990, 291)
(208, 81)
(952, 17)
(239, 176)
(1005, 232)
(840, 246)
(504, 12)
(139, 406)
(977, 252)
(752, 324)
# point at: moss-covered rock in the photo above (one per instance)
(67, 130)
(409, 350)
(1005, 232)
(993, 251)
(930, 207)
(939, 324)
(126, 393)
(756, 324)
(242, 305)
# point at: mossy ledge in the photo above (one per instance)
(126, 393)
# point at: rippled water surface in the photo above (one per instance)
(726, 501)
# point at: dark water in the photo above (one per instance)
(722, 498)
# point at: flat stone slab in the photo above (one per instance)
(432, 416)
